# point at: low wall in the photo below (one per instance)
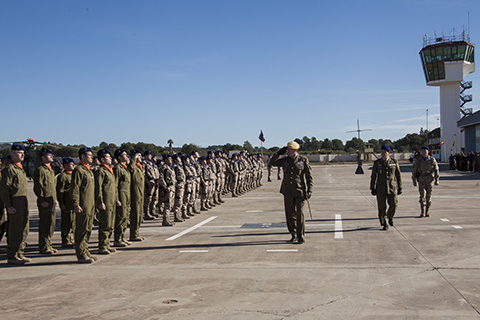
(345, 157)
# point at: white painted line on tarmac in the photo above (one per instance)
(193, 251)
(254, 211)
(282, 250)
(184, 232)
(458, 227)
(445, 220)
(338, 227)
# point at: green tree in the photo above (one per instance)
(189, 148)
(327, 144)
(248, 147)
(337, 145)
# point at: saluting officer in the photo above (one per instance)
(386, 183)
(296, 187)
(45, 190)
(14, 193)
(83, 196)
(425, 171)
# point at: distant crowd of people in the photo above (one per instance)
(465, 162)
(119, 190)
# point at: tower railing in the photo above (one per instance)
(427, 41)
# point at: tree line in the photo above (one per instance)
(411, 142)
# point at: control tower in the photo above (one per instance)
(446, 61)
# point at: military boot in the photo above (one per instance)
(203, 206)
(427, 208)
(195, 210)
(422, 210)
(177, 216)
(190, 212)
(166, 221)
(220, 198)
(185, 216)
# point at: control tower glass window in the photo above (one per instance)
(434, 57)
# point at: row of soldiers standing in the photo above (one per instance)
(128, 192)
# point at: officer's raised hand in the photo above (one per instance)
(282, 151)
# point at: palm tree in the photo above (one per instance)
(170, 142)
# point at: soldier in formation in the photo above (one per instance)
(129, 191)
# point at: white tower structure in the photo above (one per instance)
(446, 61)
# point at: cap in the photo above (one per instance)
(293, 145)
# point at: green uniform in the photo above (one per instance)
(14, 193)
(44, 188)
(64, 197)
(3, 219)
(123, 181)
(83, 195)
(137, 189)
(386, 181)
(106, 193)
(297, 183)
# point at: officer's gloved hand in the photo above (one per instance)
(309, 194)
(399, 192)
(374, 192)
(282, 151)
(414, 183)
(436, 182)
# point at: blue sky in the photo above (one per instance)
(216, 72)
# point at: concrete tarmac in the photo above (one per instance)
(233, 262)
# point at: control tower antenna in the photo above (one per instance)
(358, 129)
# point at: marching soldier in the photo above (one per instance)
(83, 196)
(45, 190)
(14, 193)
(107, 201)
(386, 184)
(296, 187)
(425, 172)
(64, 197)
(138, 188)
(123, 180)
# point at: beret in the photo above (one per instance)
(118, 152)
(103, 152)
(67, 160)
(84, 150)
(426, 148)
(386, 148)
(45, 151)
(16, 147)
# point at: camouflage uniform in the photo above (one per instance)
(425, 172)
(167, 183)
